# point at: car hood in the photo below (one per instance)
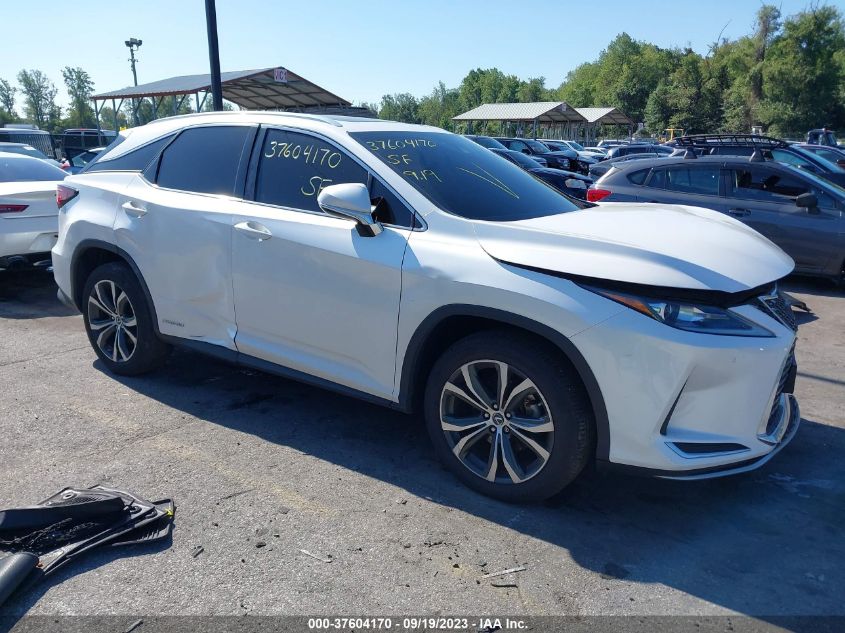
(563, 153)
(671, 246)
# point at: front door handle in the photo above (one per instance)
(134, 211)
(254, 230)
(739, 213)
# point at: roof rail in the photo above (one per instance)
(735, 140)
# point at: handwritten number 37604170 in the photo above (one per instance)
(308, 153)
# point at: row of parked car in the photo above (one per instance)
(792, 193)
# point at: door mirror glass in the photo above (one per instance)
(808, 201)
(350, 201)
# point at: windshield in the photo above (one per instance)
(825, 163)
(26, 150)
(576, 146)
(486, 141)
(20, 169)
(537, 146)
(463, 178)
(821, 181)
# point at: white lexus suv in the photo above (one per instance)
(414, 268)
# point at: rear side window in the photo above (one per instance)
(136, 160)
(698, 180)
(638, 177)
(295, 167)
(204, 160)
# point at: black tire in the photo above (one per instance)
(148, 351)
(561, 393)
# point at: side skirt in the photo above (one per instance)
(245, 360)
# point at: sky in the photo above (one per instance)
(359, 50)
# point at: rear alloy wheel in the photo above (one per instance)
(119, 321)
(111, 318)
(508, 416)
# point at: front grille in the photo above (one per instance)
(777, 306)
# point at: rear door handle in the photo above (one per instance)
(254, 230)
(134, 211)
(739, 212)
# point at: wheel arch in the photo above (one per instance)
(448, 324)
(89, 255)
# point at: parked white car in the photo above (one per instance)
(28, 223)
(414, 268)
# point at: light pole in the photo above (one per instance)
(213, 55)
(133, 44)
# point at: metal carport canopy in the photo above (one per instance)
(605, 116)
(539, 111)
(261, 89)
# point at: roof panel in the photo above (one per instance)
(605, 116)
(542, 111)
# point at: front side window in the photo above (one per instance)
(295, 167)
(517, 146)
(204, 160)
(762, 184)
(462, 177)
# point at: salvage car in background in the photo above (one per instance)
(493, 304)
(832, 154)
(569, 182)
(563, 159)
(28, 222)
(769, 149)
(796, 209)
(27, 150)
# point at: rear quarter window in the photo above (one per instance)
(136, 160)
(638, 177)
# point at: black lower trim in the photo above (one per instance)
(420, 339)
(245, 360)
(642, 471)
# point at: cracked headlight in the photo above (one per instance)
(692, 317)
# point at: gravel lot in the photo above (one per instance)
(253, 459)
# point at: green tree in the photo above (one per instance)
(402, 107)
(79, 89)
(802, 73)
(39, 95)
(439, 107)
(107, 119)
(7, 101)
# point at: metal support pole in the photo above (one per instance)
(97, 116)
(214, 55)
(114, 112)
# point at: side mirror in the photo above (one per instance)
(808, 201)
(351, 201)
(526, 151)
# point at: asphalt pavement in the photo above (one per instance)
(262, 468)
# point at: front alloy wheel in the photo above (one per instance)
(508, 416)
(111, 318)
(496, 421)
